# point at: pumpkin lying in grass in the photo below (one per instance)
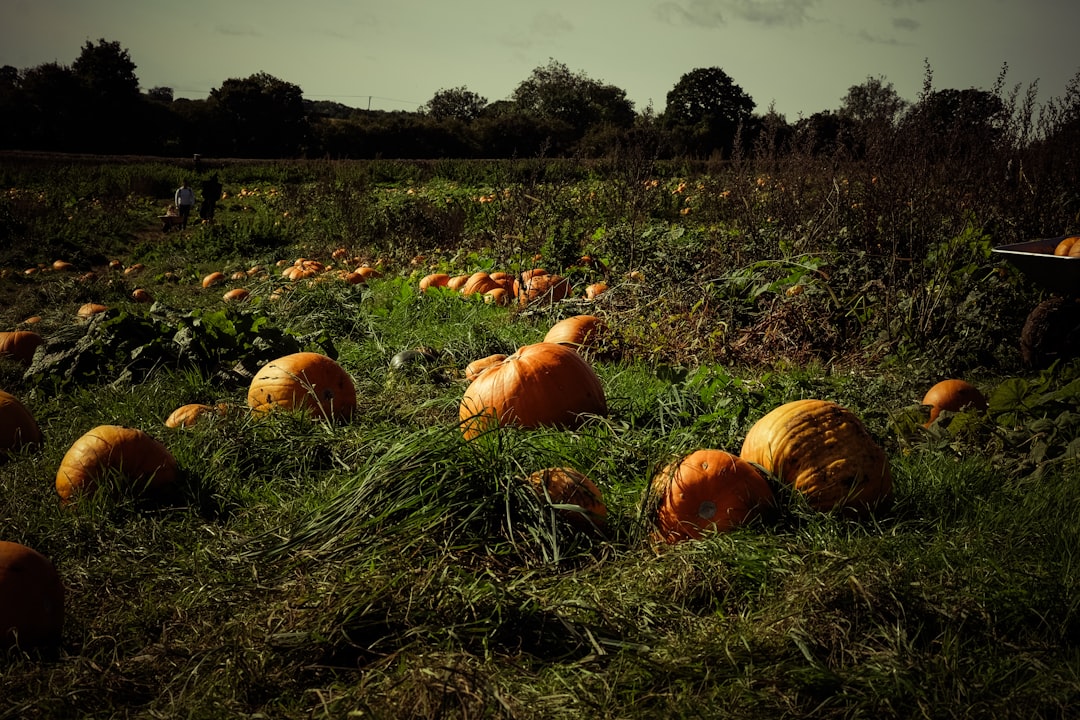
(434, 280)
(473, 369)
(17, 426)
(584, 333)
(953, 395)
(20, 345)
(88, 310)
(303, 380)
(143, 462)
(544, 384)
(705, 491)
(31, 598)
(188, 415)
(564, 486)
(824, 452)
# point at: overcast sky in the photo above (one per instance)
(800, 56)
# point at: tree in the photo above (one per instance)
(706, 108)
(552, 92)
(163, 95)
(50, 108)
(109, 103)
(874, 101)
(957, 123)
(107, 72)
(259, 116)
(458, 103)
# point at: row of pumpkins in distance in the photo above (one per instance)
(816, 447)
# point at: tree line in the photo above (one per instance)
(95, 105)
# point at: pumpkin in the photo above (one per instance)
(567, 486)
(31, 598)
(456, 282)
(62, 265)
(141, 295)
(140, 459)
(236, 295)
(544, 384)
(134, 269)
(952, 395)
(824, 452)
(581, 332)
(497, 296)
(706, 490)
(188, 415)
(434, 280)
(17, 426)
(478, 284)
(1069, 247)
(303, 380)
(368, 273)
(214, 278)
(543, 288)
(88, 310)
(20, 345)
(595, 290)
(504, 280)
(473, 369)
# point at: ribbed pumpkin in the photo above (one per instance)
(457, 282)
(20, 345)
(434, 280)
(567, 486)
(473, 369)
(214, 278)
(17, 426)
(953, 395)
(236, 295)
(544, 384)
(580, 332)
(823, 451)
(478, 284)
(543, 289)
(303, 380)
(31, 598)
(140, 459)
(707, 490)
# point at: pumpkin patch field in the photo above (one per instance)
(533, 439)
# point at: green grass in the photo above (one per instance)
(384, 567)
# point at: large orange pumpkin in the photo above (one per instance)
(20, 345)
(473, 369)
(581, 332)
(544, 384)
(17, 426)
(139, 458)
(953, 395)
(543, 289)
(31, 598)
(303, 380)
(823, 451)
(707, 490)
(567, 486)
(478, 284)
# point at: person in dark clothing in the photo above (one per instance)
(211, 193)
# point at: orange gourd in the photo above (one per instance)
(543, 289)
(31, 598)
(188, 415)
(822, 451)
(20, 345)
(707, 490)
(434, 280)
(214, 278)
(17, 426)
(567, 486)
(581, 332)
(544, 384)
(953, 395)
(139, 458)
(304, 380)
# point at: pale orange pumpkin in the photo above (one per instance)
(88, 310)
(214, 278)
(236, 295)
(31, 598)
(596, 289)
(188, 415)
(457, 282)
(141, 295)
(705, 491)
(20, 345)
(953, 395)
(17, 425)
(544, 384)
(141, 460)
(581, 332)
(1069, 247)
(567, 486)
(434, 280)
(824, 452)
(303, 380)
(497, 296)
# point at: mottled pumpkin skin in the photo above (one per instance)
(31, 598)
(544, 384)
(823, 451)
(706, 491)
(17, 426)
(141, 459)
(953, 395)
(20, 345)
(567, 486)
(544, 289)
(303, 380)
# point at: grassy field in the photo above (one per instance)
(384, 567)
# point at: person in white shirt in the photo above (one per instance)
(185, 200)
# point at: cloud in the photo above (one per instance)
(714, 13)
(906, 24)
(237, 30)
(544, 26)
